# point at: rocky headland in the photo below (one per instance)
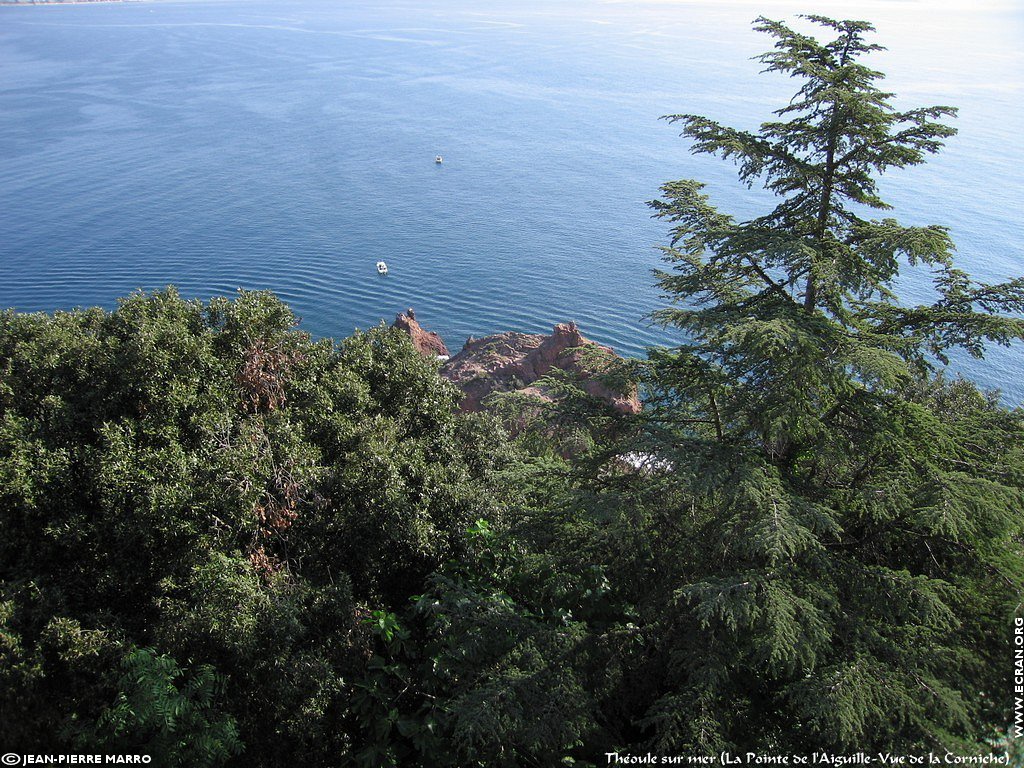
(516, 362)
(427, 342)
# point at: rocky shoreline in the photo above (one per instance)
(517, 362)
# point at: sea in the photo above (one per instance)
(289, 145)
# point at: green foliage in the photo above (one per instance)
(479, 678)
(20, 673)
(845, 520)
(204, 481)
(167, 713)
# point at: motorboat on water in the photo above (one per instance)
(438, 159)
(382, 267)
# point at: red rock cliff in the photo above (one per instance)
(427, 342)
(511, 361)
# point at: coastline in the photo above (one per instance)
(64, 2)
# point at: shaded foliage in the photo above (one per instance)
(165, 713)
(204, 481)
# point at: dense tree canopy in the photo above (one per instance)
(202, 497)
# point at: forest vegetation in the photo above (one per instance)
(223, 542)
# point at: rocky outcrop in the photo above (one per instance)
(427, 342)
(508, 362)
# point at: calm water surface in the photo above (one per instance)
(290, 145)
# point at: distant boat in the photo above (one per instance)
(438, 159)
(382, 267)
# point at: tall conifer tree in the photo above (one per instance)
(854, 551)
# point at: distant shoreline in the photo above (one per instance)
(63, 2)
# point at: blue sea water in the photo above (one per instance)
(290, 144)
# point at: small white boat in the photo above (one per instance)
(438, 159)
(382, 267)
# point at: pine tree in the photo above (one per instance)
(854, 552)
